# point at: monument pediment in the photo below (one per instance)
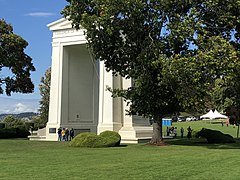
(60, 24)
(64, 32)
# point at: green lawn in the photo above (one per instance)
(180, 159)
(195, 125)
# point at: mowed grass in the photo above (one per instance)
(180, 159)
(211, 124)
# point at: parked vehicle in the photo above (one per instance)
(181, 118)
(191, 118)
(178, 118)
(174, 119)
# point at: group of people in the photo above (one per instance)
(227, 123)
(65, 135)
(173, 131)
(189, 132)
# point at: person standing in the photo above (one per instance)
(71, 134)
(168, 131)
(66, 134)
(60, 134)
(189, 134)
(63, 134)
(182, 132)
(175, 132)
(227, 122)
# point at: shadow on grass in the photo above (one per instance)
(203, 143)
(122, 145)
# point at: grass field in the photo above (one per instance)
(180, 159)
(195, 125)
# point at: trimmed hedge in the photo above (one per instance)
(90, 139)
(214, 136)
(112, 138)
(7, 133)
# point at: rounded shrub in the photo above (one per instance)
(89, 139)
(112, 138)
(214, 136)
(85, 139)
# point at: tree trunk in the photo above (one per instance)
(157, 137)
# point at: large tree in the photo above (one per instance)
(173, 50)
(44, 88)
(14, 62)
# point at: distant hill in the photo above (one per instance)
(20, 115)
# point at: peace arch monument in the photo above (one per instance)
(78, 95)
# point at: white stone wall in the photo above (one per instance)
(80, 89)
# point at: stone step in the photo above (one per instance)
(36, 138)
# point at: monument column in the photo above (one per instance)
(127, 119)
(55, 91)
(133, 131)
(127, 132)
(105, 100)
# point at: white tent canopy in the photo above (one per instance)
(209, 115)
(213, 115)
(217, 115)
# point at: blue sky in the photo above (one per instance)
(29, 19)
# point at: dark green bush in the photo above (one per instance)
(214, 136)
(195, 132)
(89, 139)
(7, 133)
(22, 133)
(2, 125)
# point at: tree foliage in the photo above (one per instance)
(12, 122)
(44, 88)
(13, 58)
(38, 123)
(173, 50)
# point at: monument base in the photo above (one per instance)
(39, 135)
(135, 135)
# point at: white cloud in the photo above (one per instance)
(9, 105)
(40, 14)
(20, 107)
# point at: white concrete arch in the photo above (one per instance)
(78, 95)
